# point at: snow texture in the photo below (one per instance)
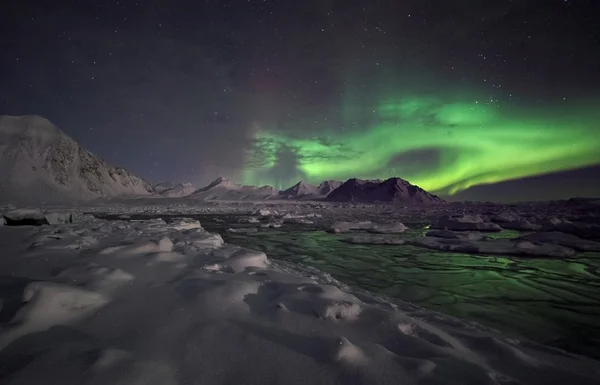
(378, 228)
(466, 235)
(34, 217)
(20, 217)
(467, 222)
(512, 221)
(58, 217)
(40, 163)
(151, 302)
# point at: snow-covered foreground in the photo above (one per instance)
(146, 302)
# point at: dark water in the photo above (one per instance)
(556, 302)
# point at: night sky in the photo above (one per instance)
(462, 98)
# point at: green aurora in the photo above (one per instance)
(442, 146)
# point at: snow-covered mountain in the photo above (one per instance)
(40, 163)
(179, 190)
(224, 189)
(301, 189)
(328, 186)
(222, 183)
(393, 190)
(164, 186)
(267, 190)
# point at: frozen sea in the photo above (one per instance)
(548, 300)
(212, 293)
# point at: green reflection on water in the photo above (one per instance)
(556, 302)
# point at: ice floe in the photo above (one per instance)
(151, 302)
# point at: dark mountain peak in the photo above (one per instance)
(301, 188)
(392, 190)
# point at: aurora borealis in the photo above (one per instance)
(444, 147)
(472, 100)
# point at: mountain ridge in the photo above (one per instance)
(224, 189)
(178, 190)
(393, 190)
(39, 162)
(300, 189)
